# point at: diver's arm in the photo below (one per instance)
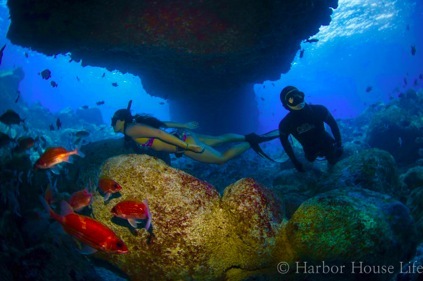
(290, 152)
(334, 128)
(143, 131)
(189, 125)
(288, 148)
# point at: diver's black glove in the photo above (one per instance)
(299, 166)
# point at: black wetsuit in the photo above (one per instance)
(307, 126)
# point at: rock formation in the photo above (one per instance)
(198, 235)
(203, 56)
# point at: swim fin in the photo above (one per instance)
(254, 140)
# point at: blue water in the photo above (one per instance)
(368, 43)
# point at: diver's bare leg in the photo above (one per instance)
(218, 140)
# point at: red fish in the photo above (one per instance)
(23, 144)
(108, 187)
(49, 195)
(55, 155)
(80, 199)
(93, 234)
(133, 211)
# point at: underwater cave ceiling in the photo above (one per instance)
(203, 56)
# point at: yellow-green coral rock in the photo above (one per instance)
(195, 235)
(345, 227)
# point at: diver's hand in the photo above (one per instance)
(191, 125)
(299, 166)
(195, 148)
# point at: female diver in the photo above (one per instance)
(146, 131)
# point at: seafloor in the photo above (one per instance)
(249, 219)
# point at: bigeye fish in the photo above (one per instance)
(94, 235)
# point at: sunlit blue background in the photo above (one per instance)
(368, 43)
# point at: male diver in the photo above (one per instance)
(306, 123)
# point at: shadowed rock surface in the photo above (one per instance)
(198, 54)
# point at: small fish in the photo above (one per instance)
(45, 74)
(82, 133)
(369, 89)
(400, 141)
(405, 81)
(54, 84)
(114, 84)
(311, 40)
(413, 50)
(58, 124)
(26, 54)
(262, 98)
(133, 211)
(162, 103)
(1, 52)
(85, 107)
(80, 199)
(23, 144)
(104, 74)
(77, 78)
(19, 95)
(99, 102)
(108, 186)
(301, 53)
(10, 117)
(93, 234)
(51, 127)
(55, 155)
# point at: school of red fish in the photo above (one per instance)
(92, 234)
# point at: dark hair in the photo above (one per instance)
(149, 120)
(125, 115)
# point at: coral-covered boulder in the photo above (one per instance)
(398, 128)
(349, 225)
(255, 215)
(412, 180)
(372, 169)
(194, 234)
(415, 203)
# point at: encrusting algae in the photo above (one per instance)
(196, 234)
